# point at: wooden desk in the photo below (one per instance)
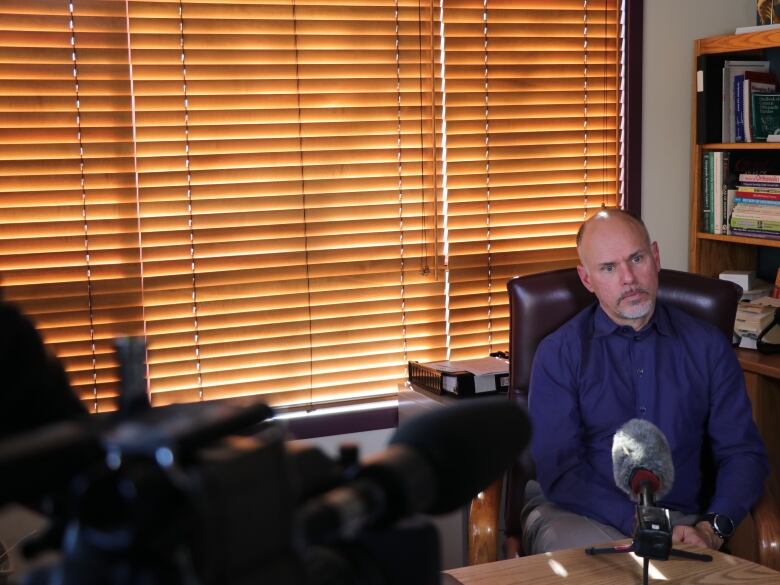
(573, 566)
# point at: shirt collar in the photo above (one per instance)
(660, 321)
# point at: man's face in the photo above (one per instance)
(621, 268)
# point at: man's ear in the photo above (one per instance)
(583, 274)
(656, 255)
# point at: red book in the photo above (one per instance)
(758, 195)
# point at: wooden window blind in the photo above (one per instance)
(532, 146)
(294, 198)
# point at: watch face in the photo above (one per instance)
(723, 525)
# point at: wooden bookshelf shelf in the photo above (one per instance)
(744, 42)
(740, 240)
(742, 146)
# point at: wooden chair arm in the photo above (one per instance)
(766, 516)
(483, 525)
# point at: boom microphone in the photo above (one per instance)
(642, 461)
(434, 464)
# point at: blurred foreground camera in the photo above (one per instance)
(210, 493)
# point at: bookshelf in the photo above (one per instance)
(710, 254)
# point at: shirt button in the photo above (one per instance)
(636, 338)
(640, 371)
(642, 410)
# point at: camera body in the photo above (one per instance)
(205, 494)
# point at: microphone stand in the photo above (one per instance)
(629, 548)
(652, 537)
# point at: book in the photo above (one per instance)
(739, 108)
(731, 195)
(732, 68)
(755, 223)
(765, 115)
(706, 190)
(768, 211)
(748, 233)
(723, 193)
(760, 179)
(753, 82)
(740, 30)
(762, 190)
(758, 198)
(754, 324)
(717, 186)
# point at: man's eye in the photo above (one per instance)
(637, 259)
(608, 267)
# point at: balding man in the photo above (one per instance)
(624, 357)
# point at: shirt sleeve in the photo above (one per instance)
(738, 450)
(558, 444)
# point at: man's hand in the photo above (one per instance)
(700, 535)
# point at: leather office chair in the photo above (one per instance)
(539, 304)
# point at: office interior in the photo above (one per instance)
(669, 29)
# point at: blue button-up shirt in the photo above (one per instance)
(680, 373)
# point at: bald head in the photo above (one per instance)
(607, 216)
(619, 264)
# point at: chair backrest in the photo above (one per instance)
(540, 303)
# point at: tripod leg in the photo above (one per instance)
(621, 548)
(645, 570)
(690, 555)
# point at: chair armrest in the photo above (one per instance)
(766, 515)
(483, 524)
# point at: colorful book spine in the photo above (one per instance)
(717, 186)
(769, 235)
(738, 200)
(739, 109)
(752, 223)
(706, 184)
(723, 193)
(758, 195)
(751, 189)
(759, 179)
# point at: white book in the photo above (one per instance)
(717, 199)
(731, 69)
(756, 28)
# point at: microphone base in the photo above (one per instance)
(629, 548)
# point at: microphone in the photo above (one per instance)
(435, 463)
(642, 461)
(643, 468)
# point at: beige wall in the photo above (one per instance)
(670, 26)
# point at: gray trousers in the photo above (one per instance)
(546, 527)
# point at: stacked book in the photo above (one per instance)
(753, 318)
(756, 206)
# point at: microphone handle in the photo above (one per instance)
(646, 494)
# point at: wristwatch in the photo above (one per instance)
(722, 526)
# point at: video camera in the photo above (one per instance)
(210, 493)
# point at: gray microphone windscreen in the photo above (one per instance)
(639, 444)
